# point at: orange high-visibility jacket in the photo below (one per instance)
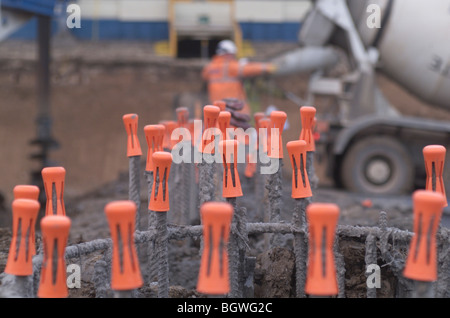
(224, 75)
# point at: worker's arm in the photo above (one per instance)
(255, 69)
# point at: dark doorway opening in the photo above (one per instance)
(192, 48)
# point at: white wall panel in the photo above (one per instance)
(275, 11)
(189, 13)
(99, 9)
(295, 11)
(143, 10)
(259, 11)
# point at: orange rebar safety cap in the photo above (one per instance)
(434, 156)
(55, 233)
(154, 135)
(421, 263)
(257, 117)
(213, 276)
(125, 269)
(224, 123)
(263, 134)
(300, 182)
(54, 178)
(321, 274)
(170, 127)
(231, 185)
(250, 167)
(182, 117)
(307, 114)
(159, 199)
(210, 116)
(221, 104)
(24, 191)
(277, 121)
(25, 212)
(131, 126)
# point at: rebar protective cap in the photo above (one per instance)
(277, 121)
(321, 274)
(231, 185)
(25, 212)
(154, 135)
(54, 178)
(159, 199)
(196, 136)
(434, 156)
(182, 117)
(131, 126)
(166, 139)
(307, 114)
(210, 116)
(213, 276)
(421, 263)
(125, 269)
(250, 167)
(55, 232)
(224, 123)
(257, 117)
(170, 127)
(221, 104)
(263, 133)
(24, 191)
(301, 187)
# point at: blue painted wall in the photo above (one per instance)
(286, 31)
(115, 30)
(29, 30)
(157, 31)
(44, 7)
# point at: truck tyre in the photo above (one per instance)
(378, 165)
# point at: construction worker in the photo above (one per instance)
(224, 75)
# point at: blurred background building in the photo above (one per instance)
(180, 27)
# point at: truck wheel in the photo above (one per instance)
(379, 165)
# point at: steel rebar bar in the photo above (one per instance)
(423, 289)
(371, 258)
(101, 280)
(134, 190)
(181, 232)
(151, 225)
(300, 246)
(206, 182)
(311, 171)
(161, 242)
(259, 191)
(185, 194)
(340, 267)
(236, 249)
(274, 186)
(123, 294)
(14, 286)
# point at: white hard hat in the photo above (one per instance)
(226, 47)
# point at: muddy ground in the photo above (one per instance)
(93, 85)
(274, 270)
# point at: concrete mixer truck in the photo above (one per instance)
(369, 145)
